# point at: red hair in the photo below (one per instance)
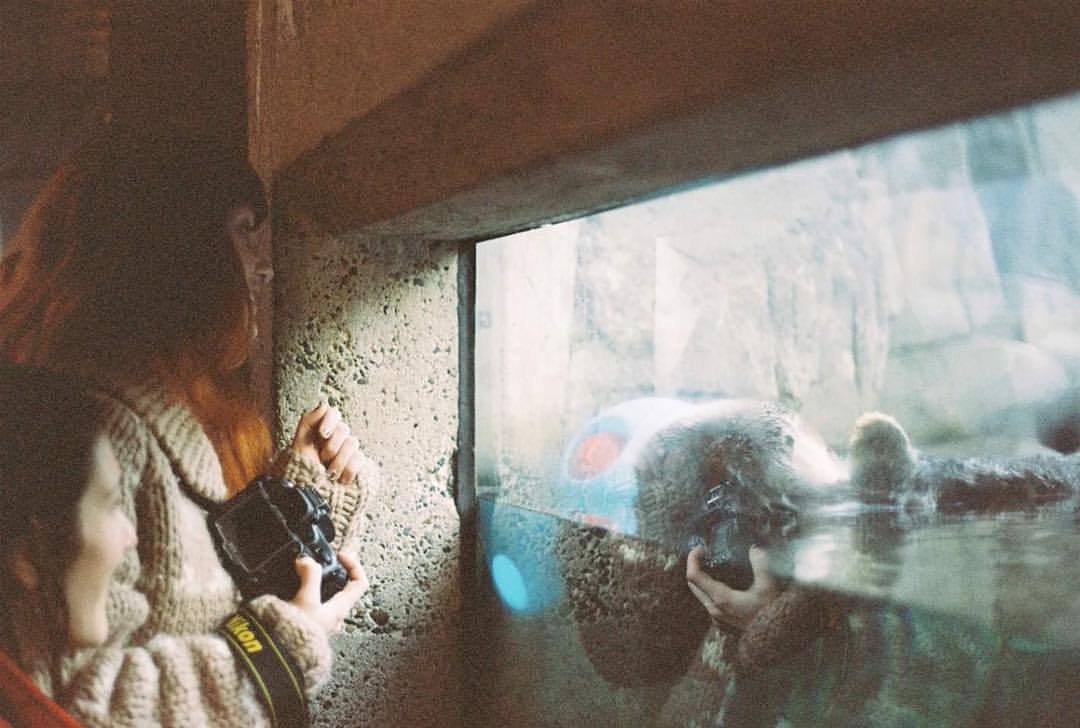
(124, 261)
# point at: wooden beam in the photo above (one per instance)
(61, 40)
(575, 107)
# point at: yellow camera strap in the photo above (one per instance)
(277, 679)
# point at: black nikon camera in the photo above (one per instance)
(730, 521)
(263, 529)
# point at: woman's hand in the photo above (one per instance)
(330, 615)
(730, 607)
(322, 436)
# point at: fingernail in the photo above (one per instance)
(332, 474)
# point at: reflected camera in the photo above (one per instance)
(728, 523)
(727, 535)
(263, 529)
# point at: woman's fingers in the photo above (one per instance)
(305, 440)
(310, 419)
(320, 421)
(763, 578)
(330, 420)
(695, 563)
(316, 413)
(353, 567)
(724, 612)
(356, 462)
(338, 446)
(310, 574)
(342, 466)
(708, 603)
(330, 615)
(358, 580)
(342, 603)
(324, 436)
(724, 604)
(333, 445)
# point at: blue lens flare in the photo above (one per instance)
(518, 550)
(509, 583)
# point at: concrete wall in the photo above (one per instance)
(389, 126)
(371, 325)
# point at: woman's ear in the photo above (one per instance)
(23, 570)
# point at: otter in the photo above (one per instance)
(887, 469)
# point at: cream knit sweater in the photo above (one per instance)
(164, 664)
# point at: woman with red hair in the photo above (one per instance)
(133, 272)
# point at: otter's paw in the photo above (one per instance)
(882, 459)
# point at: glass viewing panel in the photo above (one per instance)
(868, 364)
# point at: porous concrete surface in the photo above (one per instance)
(371, 325)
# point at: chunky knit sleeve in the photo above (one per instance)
(165, 664)
(347, 500)
(188, 680)
(797, 617)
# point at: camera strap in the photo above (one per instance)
(278, 681)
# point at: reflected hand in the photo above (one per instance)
(730, 607)
(322, 436)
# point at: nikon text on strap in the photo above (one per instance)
(278, 681)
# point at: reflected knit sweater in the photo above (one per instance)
(164, 664)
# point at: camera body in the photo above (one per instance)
(727, 535)
(728, 523)
(262, 530)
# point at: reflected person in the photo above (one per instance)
(648, 613)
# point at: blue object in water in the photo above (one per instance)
(597, 478)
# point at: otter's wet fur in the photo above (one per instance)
(887, 469)
(761, 449)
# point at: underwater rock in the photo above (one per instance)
(637, 621)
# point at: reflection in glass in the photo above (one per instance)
(868, 363)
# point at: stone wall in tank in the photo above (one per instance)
(933, 276)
